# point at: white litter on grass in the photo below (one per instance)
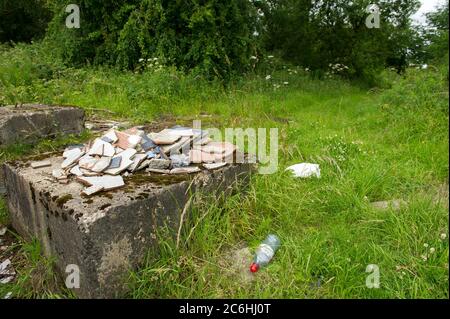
(3, 266)
(305, 170)
(6, 280)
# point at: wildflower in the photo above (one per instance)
(285, 83)
(268, 77)
(432, 250)
(140, 60)
(443, 236)
(307, 69)
(424, 257)
(270, 56)
(425, 245)
(253, 57)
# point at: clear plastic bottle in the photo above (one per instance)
(265, 252)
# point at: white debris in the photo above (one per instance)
(214, 166)
(305, 170)
(3, 266)
(6, 280)
(40, 164)
(8, 295)
(3, 231)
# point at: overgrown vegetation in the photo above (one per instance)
(386, 142)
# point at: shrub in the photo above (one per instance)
(210, 37)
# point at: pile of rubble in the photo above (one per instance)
(102, 163)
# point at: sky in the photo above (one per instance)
(427, 6)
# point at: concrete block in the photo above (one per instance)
(110, 233)
(29, 123)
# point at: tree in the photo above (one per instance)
(211, 37)
(23, 20)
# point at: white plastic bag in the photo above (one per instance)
(305, 170)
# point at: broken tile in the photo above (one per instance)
(115, 162)
(137, 160)
(159, 164)
(185, 170)
(72, 157)
(110, 137)
(180, 160)
(125, 163)
(92, 190)
(147, 143)
(102, 164)
(76, 171)
(107, 182)
(102, 148)
(164, 138)
(87, 162)
(179, 130)
(175, 148)
(151, 155)
(214, 166)
(126, 141)
(40, 164)
(86, 172)
(73, 150)
(198, 157)
(218, 147)
(158, 171)
(144, 165)
(58, 174)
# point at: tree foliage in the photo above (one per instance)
(211, 37)
(316, 34)
(23, 20)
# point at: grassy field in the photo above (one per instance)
(372, 145)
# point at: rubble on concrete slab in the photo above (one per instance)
(102, 163)
(40, 164)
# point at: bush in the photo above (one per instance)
(321, 34)
(210, 37)
(23, 20)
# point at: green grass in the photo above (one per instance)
(372, 145)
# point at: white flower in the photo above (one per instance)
(270, 56)
(140, 60)
(268, 77)
(253, 57)
(424, 257)
(443, 236)
(425, 245)
(432, 250)
(285, 83)
(307, 69)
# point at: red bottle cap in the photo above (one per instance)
(254, 267)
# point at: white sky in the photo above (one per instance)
(427, 6)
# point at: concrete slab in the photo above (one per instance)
(30, 122)
(107, 234)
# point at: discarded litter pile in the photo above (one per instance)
(101, 164)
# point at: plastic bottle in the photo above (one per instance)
(265, 252)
